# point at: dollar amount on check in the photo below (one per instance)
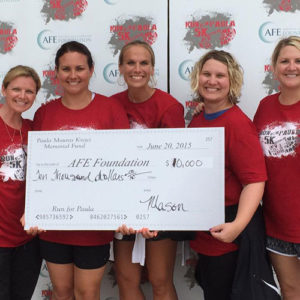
(163, 179)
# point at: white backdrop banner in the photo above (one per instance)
(247, 29)
(179, 31)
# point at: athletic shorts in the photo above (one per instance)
(215, 275)
(83, 257)
(282, 247)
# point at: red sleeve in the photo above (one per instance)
(245, 154)
(256, 119)
(173, 117)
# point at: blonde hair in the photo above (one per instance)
(137, 43)
(289, 41)
(19, 71)
(234, 71)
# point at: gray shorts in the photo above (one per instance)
(282, 247)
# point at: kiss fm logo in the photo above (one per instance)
(130, 29)
(270, 32)
(209, 31)
(63, 10)
(47, 40)
(8, 37)
(185, 69)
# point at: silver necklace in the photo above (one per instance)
(22, 145)
(13, 135)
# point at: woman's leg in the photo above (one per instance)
(59, 260)
(128, 275)
(61, 276)
(160, 260)
(287, 269)
(89, 267)
(87, 283)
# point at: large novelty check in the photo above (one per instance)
(163, 179)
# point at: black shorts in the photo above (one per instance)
(83, 257)
(283, 247)
(215, 275)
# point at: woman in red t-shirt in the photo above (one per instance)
(20, 261)
(76, 259)
(278, 122)
(146, 107)
(217, 80)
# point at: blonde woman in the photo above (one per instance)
(217, 80)
(19, 253)
(278, 122)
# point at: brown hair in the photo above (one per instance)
(74, 46)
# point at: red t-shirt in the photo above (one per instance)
(160, 111)
(279, 131)
(244, 164)
(101, 113)
(12, 184)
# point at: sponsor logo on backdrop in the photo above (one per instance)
(209, 31)
(111, 2)
(46, 294)
(131, 28)
(63, 10)
(8, 37)
(189, 276)
(282, 6)
(189, 107)
(270, 84)
(50, 84)
(270, 32)
(111, 73)
(185, 69)
(47, 39)
(44, 270)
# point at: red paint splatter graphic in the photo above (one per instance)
(51, 85)
(282, 6)
(63, 10)
(8, 37)
(209, 32)
(285, 5)
(133, 28)
(270, 83)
